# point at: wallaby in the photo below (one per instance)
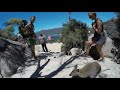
(90, 70)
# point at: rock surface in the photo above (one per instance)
(46, 66)
(75, 51)
(12, 55)
(55, 64)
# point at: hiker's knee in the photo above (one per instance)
(89, 43)
(86, 42)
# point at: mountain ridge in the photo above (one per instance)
(109, 26)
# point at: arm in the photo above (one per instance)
(26, 29)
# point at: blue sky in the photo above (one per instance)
(49, 20)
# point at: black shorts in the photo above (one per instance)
(100, 41)
(95, 39)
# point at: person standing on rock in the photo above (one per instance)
(43, 42)
(32, 36)
(99, 37)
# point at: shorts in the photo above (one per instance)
(95, 39)
(32, 41)
(102, 40)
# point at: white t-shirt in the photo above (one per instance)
(42, 39)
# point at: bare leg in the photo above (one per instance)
(99, 49)
(33, 51)
(85, 46)
(88, 46)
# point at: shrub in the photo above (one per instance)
(74, 35)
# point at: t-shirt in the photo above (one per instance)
(42, 39)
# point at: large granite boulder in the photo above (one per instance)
(12, 55)
(75, 51)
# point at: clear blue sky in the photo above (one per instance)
(49, 20)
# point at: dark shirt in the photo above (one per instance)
(97, 35)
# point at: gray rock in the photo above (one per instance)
(28, 52)
(12, 55)
(0, 76)
(104, 75)
(75, 51)
(8, 68)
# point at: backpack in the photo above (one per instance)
(30, 31)
(21, 29)
(94, 53)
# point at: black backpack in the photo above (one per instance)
(21, 29)
(94, 53)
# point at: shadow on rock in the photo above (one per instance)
(52, 74)
(39, 68)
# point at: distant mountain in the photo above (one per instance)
(109, 26)
(53, 32)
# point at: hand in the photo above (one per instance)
(94, 27)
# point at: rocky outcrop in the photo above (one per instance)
(62, 66)
(12, 55)
(75, 51)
